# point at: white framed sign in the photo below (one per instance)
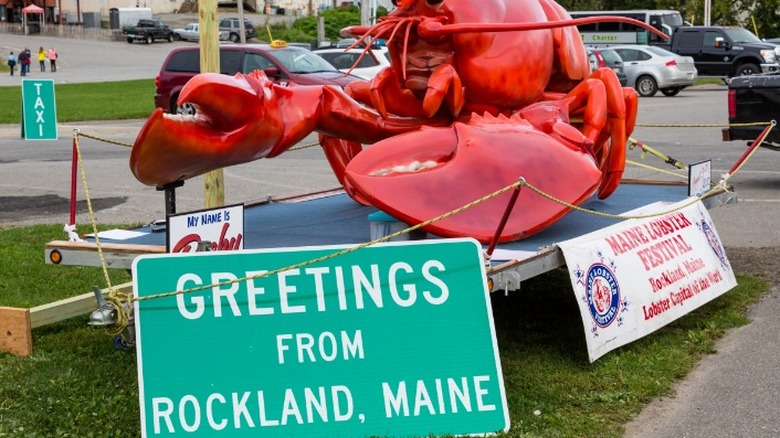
(635, 277)
(699, 178)
(219, 229)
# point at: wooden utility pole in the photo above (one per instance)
(213, 182)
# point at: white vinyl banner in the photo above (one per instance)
(634, 277)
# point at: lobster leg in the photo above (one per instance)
(608, 119)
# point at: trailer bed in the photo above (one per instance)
(332, 218)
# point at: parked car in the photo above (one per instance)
(232, 27)
(283, 65)
(367, 67)
(604, 57)
(148, 31)
(651, 68)
(191, 32)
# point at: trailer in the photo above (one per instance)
(332, 218)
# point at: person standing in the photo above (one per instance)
(42, 58)
(53, 59)
(24, 61)
(12, 62)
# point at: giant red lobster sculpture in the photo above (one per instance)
(480, 93)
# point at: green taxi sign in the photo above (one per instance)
(395, 339)
(39, 110)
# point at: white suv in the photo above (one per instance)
(371, 63)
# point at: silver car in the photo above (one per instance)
(191, 32)
(650, 68)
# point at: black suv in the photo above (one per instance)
(232, 26)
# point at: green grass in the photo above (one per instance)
(77, 385)
(707, 80)
(89, 101)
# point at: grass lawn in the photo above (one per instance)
(89, 101)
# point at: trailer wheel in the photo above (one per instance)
(747, 69)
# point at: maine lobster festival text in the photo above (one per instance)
(661, 248)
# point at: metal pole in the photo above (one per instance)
(509, 206)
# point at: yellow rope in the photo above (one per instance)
(657, 169)
(303, 146)
(343, 251)
(699, 125)
(118, 299)
(105, 140)
(113, 297)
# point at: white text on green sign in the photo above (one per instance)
(391, 340)
(39, 109)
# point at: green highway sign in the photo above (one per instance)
(396, 339)
(39, 110)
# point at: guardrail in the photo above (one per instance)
(66, 31)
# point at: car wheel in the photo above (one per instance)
(185, 109)
(674, 91)
(171, 38)
(129, 41)
(234, 37)
(646, 86)
(747, 69)
(149, 39)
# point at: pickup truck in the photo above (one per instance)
(148, 31)
(724, 51)
(752, 99)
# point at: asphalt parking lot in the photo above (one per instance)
(732, 393)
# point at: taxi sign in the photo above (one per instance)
(39, 110)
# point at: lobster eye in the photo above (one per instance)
(394, 2)
(434, 2)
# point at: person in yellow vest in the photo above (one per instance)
(53, 59)
(42, 58)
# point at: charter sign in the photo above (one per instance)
(391, 340)
(637, 276)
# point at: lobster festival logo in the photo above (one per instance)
(602, 294)
(714, 241)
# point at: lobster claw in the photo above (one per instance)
(423, 174)
(173, 147)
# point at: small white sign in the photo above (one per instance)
(635, 277)
(218, 229)
(699, 178)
